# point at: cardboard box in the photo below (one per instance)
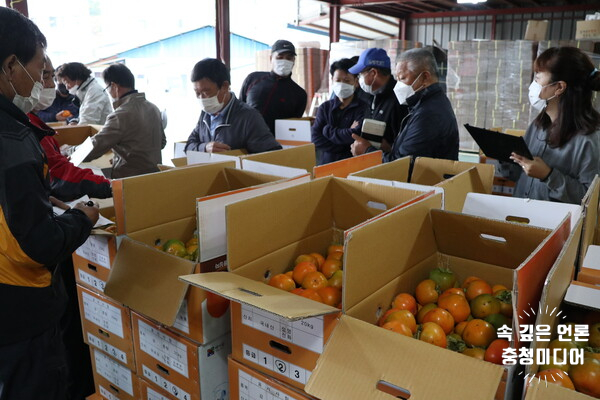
(180, 365)
(587, 30)
(92, 261)
(452, 178)
(302, 157)
(74, 135)
(343, 168)
(174, 215)
(590, 270)
(536, 30)
(591, 209)
(248, 384)
(293, 132)
(516, 256)
(106, 325)
(274, 331)
(113, 380)
(149, 391)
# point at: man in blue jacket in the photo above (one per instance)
(430, 129)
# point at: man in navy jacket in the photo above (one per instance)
(430, 129)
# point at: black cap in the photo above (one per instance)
(283, 46)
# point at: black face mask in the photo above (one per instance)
(62, 89)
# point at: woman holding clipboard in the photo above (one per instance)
(565, 137)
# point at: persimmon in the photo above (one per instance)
(301, 269)
(404, 316)
(479, 333)
(216, 305)
(314, 280)
(441, 317)
(305, 257)
(460, 327)
(484, 305)
(398, 327)
(331, 296)
(453, 290)
(330, 266)
(469, 280)
(282, 281)
(336, 279)
(433, 333)
(556, 376)
(335, 248)
(405, 301)
(311, 294)
(476, 288)
(318, 258)
(336, 255)
(456, 305)
(426, 292)
(424, 310)
(475, 352)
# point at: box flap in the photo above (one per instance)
(303, 157)
(290, 130)
(272, 169)
(457, 187)
(240, 179)
(401, 185)
(430, 171)
(385, 243)
(179, 162)
(555, 286)
(201, 157)
(591, 207)
(258, 294)
(507, 244)
(540, 390)
(137, 206)
(151, 288)
(359, 355)
(211, 215)
(342, 168)
(583, 295)
(396, 170)
(544, 214)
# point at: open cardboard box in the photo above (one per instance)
(300, 157)
(590, 234)
(274, 331)
(343, 168)
(113, 380)
(190, 370)
(74, 135)
(516, 256)
(145, 278)
(454, 178)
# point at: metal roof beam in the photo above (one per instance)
(356, 25)
(320, 28)
(375, 17)
(518, 10)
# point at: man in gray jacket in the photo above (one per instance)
(134, 131)
(225, 122)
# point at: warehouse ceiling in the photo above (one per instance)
(404, 8)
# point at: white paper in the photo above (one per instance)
(82, 151)
(201, 157)
(272, 169)
(102, 221)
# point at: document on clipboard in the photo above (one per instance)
(499, 145)
(373, 131)
(82, 152)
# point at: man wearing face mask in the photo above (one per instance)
(274, 94)
(134, 131)
(225, 123)
(95, 105)
(375, 79)
(340, 117)
(34, 239)
(430, 128)
(62, 101)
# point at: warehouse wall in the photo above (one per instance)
(508, 27)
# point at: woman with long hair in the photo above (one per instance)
(565, 137)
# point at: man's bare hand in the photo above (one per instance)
(216, 147)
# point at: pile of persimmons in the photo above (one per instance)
(315, 277)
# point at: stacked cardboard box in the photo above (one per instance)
(393, 47)
(488, 84)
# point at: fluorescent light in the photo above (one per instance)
(470, 1)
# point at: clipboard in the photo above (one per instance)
(499, 145)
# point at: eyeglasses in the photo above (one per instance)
(108, 87)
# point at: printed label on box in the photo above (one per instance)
(102, 314)
(163, 348)
(252, 388)
(306, 333)
(95, 249)
(114, 372)
(165, 384)
(153, 395)
(275, 364)
(181, 321)
(91, 280)
(106, 394)
(107, 348)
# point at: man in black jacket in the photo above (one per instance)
(34, 240)
(375, 78)
(274, 94)
(430, 129)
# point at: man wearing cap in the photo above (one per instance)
(430, 129)
(274, 94)
(375, 78)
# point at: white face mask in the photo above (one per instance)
(210, 105)
(342, 90)
(26, 104)
(73, 90)
(404, 91)
(283, 67)
(535, 89)
(363, 85)
(46, 98)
